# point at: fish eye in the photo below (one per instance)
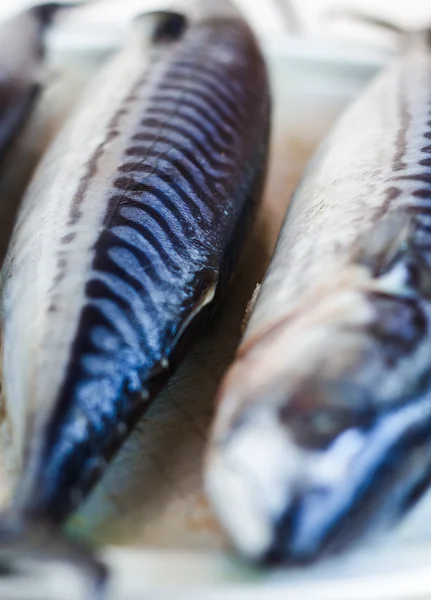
(315, 418)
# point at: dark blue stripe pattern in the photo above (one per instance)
(178, 209)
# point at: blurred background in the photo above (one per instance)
(272, 16)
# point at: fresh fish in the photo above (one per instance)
(126, 240)
(22, 68)
(323, 426)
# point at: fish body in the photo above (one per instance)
(22, 53)
(323, 425)
(125, 242)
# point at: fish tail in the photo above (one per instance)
(160, 26)
(35, 540)
(168, 25)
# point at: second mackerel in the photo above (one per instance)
(127, 238)
(323, 425)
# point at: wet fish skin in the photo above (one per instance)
(125, 242)
(323, 423)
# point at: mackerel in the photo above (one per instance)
(322, 433)
(126, 240)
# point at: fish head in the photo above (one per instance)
(323, 428)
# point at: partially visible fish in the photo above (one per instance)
(22, 68)
(323, 427)
(127, 238)
(55, 83)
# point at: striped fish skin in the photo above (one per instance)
(126, 240)
(21, 67)
(322, 432)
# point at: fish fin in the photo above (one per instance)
(33, 540)
(379, 248)
(47, 11)
(161, 27)
(250, 306)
